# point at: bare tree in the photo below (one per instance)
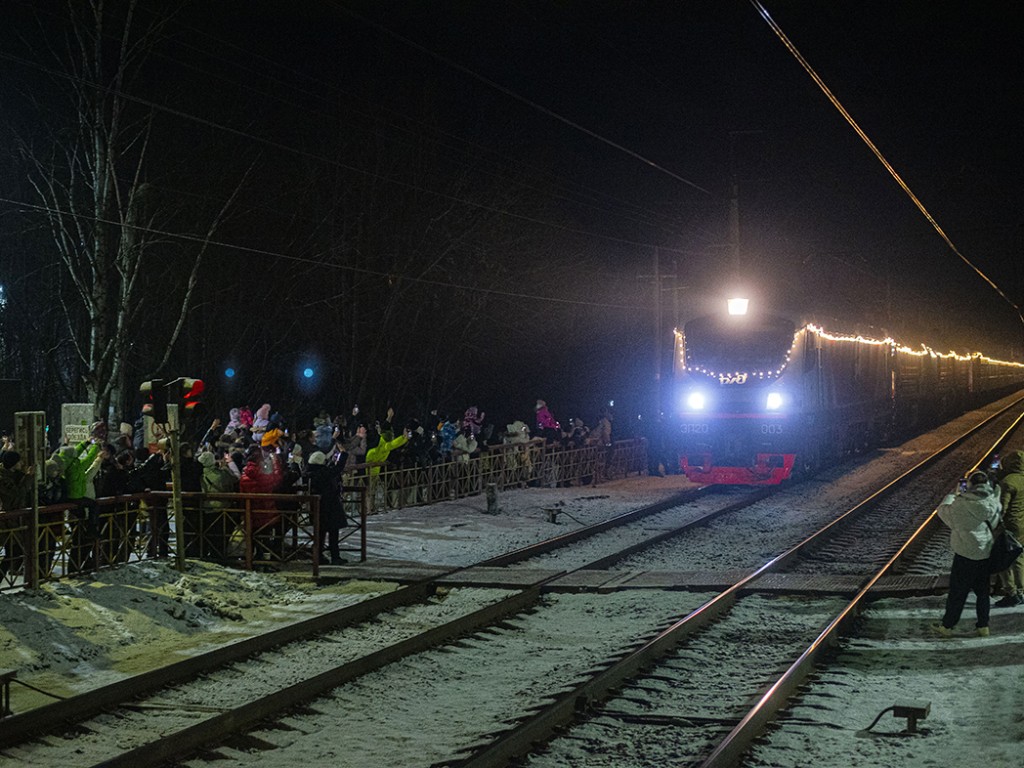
(106, 218)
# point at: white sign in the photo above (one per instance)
(75, 419)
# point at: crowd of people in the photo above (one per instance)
(259, 452)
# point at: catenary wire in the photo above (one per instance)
(316, 262)
(627, 211)
(518, 97)
(320, 158)
(877, 152)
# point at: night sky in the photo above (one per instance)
(559, 144)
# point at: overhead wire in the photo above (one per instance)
(518, 97)
(635, 213)
(330, 161)
(308, 260)
(636, 209)
(877, 152)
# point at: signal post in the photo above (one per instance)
(167, 398)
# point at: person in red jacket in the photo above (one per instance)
(262, 474)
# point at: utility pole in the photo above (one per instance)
(657, 331)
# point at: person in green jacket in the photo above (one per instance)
(1011, 486)
(83, 521)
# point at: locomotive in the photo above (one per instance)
(763, 398)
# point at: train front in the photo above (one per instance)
(733, 408)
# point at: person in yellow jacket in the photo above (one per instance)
(380, 452)
(77, 462)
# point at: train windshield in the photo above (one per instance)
(738, 344)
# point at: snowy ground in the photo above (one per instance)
(68, 637)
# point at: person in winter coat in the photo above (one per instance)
(464, 446)
(262, 474)
(446, 437)
(473, 419)
(218, 520)
(547, 426)
(355, 448)
(15, 482)
(970, 515)
(380, 452)
(325, 482)
(52, 489)
(15, 493)
(151, 474)
(245, 417)
(260, 423)
(78, 462)
(1011, 487)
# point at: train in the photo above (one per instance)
(761, 399)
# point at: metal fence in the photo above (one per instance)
(504, 466)
(245, 530)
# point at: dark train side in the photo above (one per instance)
(762, 398)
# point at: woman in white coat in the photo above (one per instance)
(971, 515)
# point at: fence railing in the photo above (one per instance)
(504, 466)
(246, 530)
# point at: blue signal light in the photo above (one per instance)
(229, 372)
(308, 373)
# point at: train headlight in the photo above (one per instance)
(696, 401)
(773, 401)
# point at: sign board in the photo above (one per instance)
(75, 419)
(154, 433)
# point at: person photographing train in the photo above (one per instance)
(1011, 484)
(971, 514)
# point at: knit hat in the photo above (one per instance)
(207, 459)
(978, 477)
(270, 437)
(318, 457)
(296, 450)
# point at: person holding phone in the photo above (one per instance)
(970, 515)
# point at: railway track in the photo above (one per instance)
(491, 636)
(113, 725)
(695, 706)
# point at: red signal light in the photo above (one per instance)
(191, 392)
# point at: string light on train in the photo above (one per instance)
(739, 377)
(902, 348)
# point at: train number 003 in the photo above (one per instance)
(771, 429)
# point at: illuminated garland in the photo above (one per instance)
(739, 377)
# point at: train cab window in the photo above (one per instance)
(752, 343)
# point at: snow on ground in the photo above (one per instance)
(67, 637)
